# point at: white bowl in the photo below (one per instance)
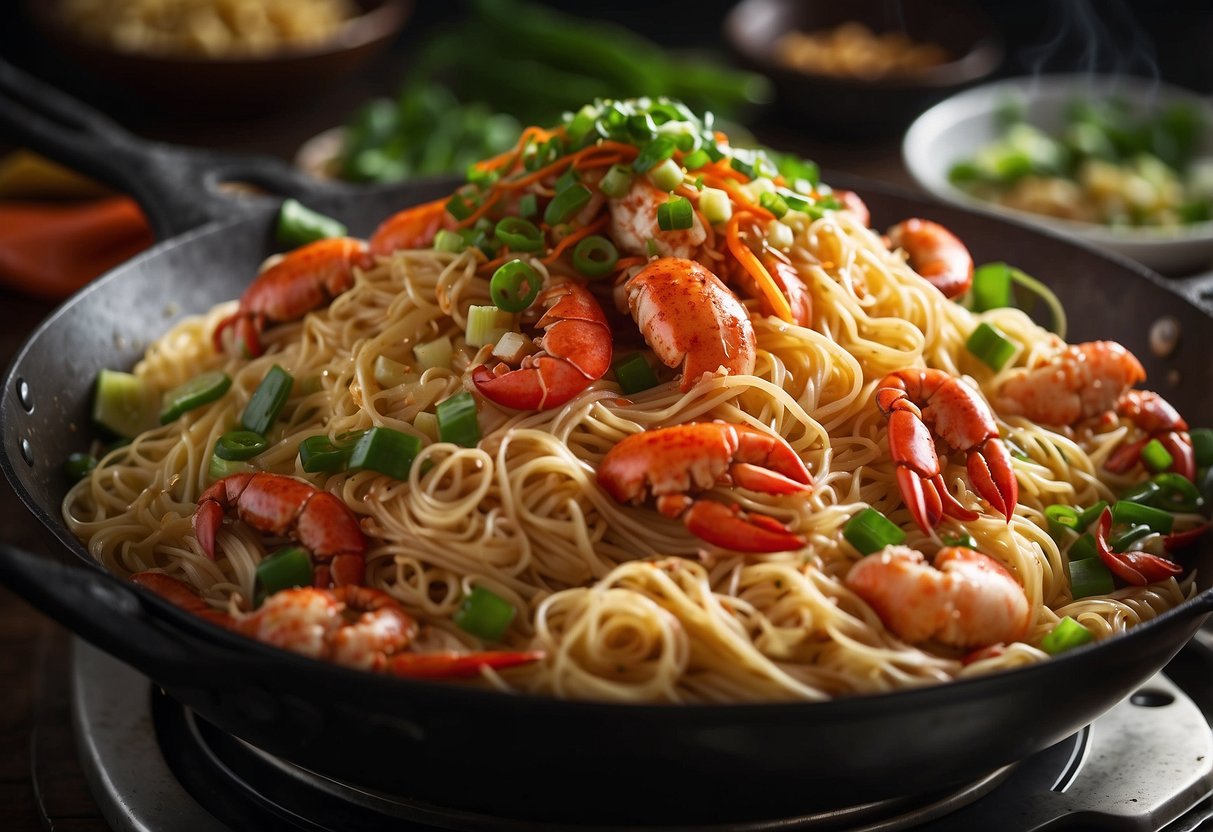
(956, 128)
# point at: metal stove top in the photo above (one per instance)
(1145, 765)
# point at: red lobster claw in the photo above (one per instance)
(1136, 568)
(731, 528)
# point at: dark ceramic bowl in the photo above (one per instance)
(230, 86)
(854, 107)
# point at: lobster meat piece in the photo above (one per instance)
(574, 352)
(925, 405)
(304, 279)
(691, 319)
(283, 505)
(1090, 379)
(413, 227)
(964, 599)
(669, 463)
(353, 626)
(935, 253)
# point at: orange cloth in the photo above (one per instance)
(51, 249)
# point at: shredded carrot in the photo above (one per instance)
(563, 162)
(581, 233)
(480, 211)
(627, 262)
(495, 263)
(751, 263)
(537, 133)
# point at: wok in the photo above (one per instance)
(520, 756)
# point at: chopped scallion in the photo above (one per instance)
(1061, 518)
(1129, 513)
(1176, 493)
(200, 390)
(79, 465)
(1089, 577)
(1126, 538)
(220, 467)
(285, 569)
(675, 215)
(267, 401)
(457, 422)
(449, 241)
(653, 153)
(484, 614)
(518, 234)
(299, 225)
(774, 203)
(991, 287)
(870, 531)
(1083, 548)
(566, 204)
(528, 206)
(514, 286)
(434, 354)
(239, 445)
(319, 454)
(696, 160)
(991, 346)
(486, 325)
(459, 207)
(1145, 493)
(385, 451)
(617, 181)
(595, 256)
(1067, 635)
(634, 374)
(1156, 457)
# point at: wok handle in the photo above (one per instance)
(1197, 288)
(115, 616)
(178, 188)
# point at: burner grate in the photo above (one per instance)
(157, 767)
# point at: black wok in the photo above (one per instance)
(512, 755)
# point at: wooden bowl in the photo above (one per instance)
(856, 107)
(231, 86)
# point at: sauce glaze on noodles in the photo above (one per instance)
(626, 603)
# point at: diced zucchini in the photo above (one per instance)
(427, 423)
(434, 354)
(124, 404)
(391, 373)
(715, 205)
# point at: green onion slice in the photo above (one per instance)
(267, 401)
(518, 234)
(870, 531)
(1083, 548)
(449, 241)
(991, 287)
(991, 346)
(485, 614)
(962, 539)
(617, 181)
(1090, 577)
(1062, 518)
(239, 445)
(1130, 514)
(319, 454)
(285, 569)
(1067, 635)
(385, 451)
(1145, 493)
(299, 225)
(1176, 493)
(696, 160)
(566, 204)
(653, 153)
(595, 256)
(1156, 456)
(199, 390)
(774, 203)
(514, 286)
(675, 215)
(1089, 515)
(528, 206)
(220, 467)
(457, 422)
(459, 207)
(79, 465)
(1121, 542)
(634, 374)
